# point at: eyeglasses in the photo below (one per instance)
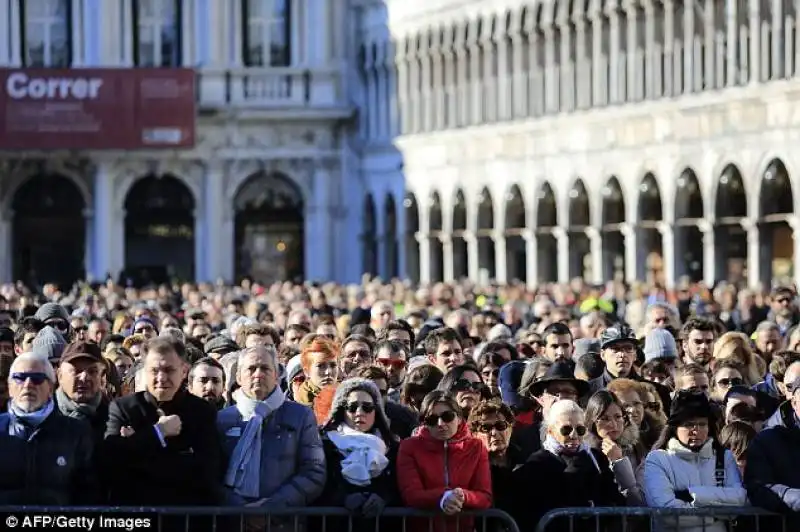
(367, 408)
(392, 363)
(499, 426)
(35, 377)
(463, 385)
(433, 419)
(82, 328)
(566, 430)
(733, 381)
(653, 406)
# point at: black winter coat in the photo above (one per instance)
(54, 467)
(337, 488)
(144, 473)
(546, 482)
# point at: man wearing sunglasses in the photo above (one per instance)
(58, 450)
(392, 355)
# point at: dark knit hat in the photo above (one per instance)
(50, 311)
(6, 335)
(690, 404)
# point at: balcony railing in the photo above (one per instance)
(270, 88)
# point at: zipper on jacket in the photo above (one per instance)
(446, 469)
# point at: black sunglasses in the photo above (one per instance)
(566, 430)
(733, 381)
(82, 328)
(433, 419)
(499, 426)
(367, 408)
(35, 377)
(463, 385)
(61, 325)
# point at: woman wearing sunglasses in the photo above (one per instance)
(492, 422)
(360, 454)
(466, 385)
(443, 467)
(576, 475)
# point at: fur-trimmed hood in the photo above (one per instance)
(627, 440)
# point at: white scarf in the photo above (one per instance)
(364, 454)
(552, 445)
(244, 470)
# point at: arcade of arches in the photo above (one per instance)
(160, 227)
(743, 231)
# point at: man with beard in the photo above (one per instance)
(697, 338)
(207, 381)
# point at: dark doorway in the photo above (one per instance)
(49, 231)
(269, 229)
(159, 231)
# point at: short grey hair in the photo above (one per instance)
(174, 333)
(36, 358)
(561, 408)
(268, 349)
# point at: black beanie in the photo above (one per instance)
(6, 335)
(688, 404)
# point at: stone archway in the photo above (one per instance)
(776, 206)
(579, 221)
(546, 227)
(515, 224)
(159, 231)
(390, 237)
(730, 236)
(613, 223)
(649, 241)
(48, 240)
(689, 215)
(269, 229)
(486, 250)
(460, 248)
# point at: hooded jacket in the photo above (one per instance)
(427, 467)
(679, 468)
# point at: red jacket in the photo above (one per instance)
(427, 467)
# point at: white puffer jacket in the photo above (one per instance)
(677, 468)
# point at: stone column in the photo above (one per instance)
(566, 90)
(631, 252)
(688, 46)
(710, 56)
(612, 11)
(599, 76)
(753, 251)
(650, 67)
(596, 247)
(519, 87)
(709, 252)
(632, 22)
(425, 99)
(447, 257)
(424, 257)
(531, 258)
(562, 245)
(103, 223)
(670, 71)
(473, 266)
(502, 83)
(583, 83)
(778, 39)
(755, 40)
(89, 247)
(214, 214)
(668, 252)
(500, 257)
(732, 35)
(550, 69)
(402, 127)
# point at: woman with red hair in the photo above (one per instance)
(319, 357)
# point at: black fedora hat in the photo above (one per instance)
(561, 371)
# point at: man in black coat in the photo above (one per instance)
(161, 443)
(80, 386)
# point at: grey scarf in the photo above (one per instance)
(70, 408)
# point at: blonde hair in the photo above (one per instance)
(735, 346)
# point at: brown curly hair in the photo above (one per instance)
(490, 407)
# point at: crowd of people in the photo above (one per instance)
(444, 398)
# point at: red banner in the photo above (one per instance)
(97, 109)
